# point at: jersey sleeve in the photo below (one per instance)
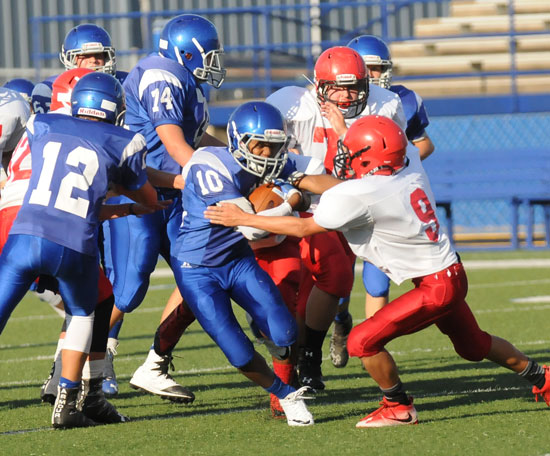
(211, 185)
(163, 96)
(421, 120)
(12, 127)
(307, 165)
(399, 117)
(341, 212)
(132, 166)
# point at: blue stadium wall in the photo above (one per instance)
(503, 134)
(481, 123)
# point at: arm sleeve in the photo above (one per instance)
(253, 234)
(341, 212)
(163, 96)
(133, 174)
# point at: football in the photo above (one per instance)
(266, 196)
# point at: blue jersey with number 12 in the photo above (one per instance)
(160, 91)
(73, 160)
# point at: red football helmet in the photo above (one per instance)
(341, 66)
(63, 86)
(372, 145)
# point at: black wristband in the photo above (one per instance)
(131, 209)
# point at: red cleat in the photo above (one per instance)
(390, 414)
(276, 409)
(543, 392)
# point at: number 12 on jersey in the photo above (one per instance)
(42, 194)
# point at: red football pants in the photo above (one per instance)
(437, 298)
(7, 216)
(327, 262)
(282, 263)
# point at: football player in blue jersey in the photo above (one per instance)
(71, 173)
(377, 57)
(41, 97)
(23, 86)
(90, 46)
(216, 265)
(166, 103)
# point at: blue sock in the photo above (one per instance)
(113, 333)
(341, 316)
(65, 383)
(280, 389)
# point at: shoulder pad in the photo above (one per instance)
(295, 103)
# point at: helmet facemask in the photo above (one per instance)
(212, 71)
(266, 168)
(352, 108)
(69, 57)
(386, 75)
(343, 160)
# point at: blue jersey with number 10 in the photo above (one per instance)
(160, 91)
(73, 160)
(212, 175)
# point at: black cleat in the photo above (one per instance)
(96, 407)
(67, 410)
(309, 368)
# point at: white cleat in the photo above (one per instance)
(153, 377)
(295, 408)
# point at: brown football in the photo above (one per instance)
(263, 197)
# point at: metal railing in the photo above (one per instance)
(268, 48)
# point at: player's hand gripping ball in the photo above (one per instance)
(266, 196)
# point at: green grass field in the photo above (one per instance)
(464, 408)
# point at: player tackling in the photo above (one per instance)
(386, 211)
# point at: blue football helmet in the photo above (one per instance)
(193, 42)
(23, 86)
(257, 120)
(99, 95)
(374, 52)
(41, 97)
(88, 39)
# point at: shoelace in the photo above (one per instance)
(165, 365)
(299, 394)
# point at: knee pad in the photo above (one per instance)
(131, 296)
(240, 357)
(79, 333)
(359, 342)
